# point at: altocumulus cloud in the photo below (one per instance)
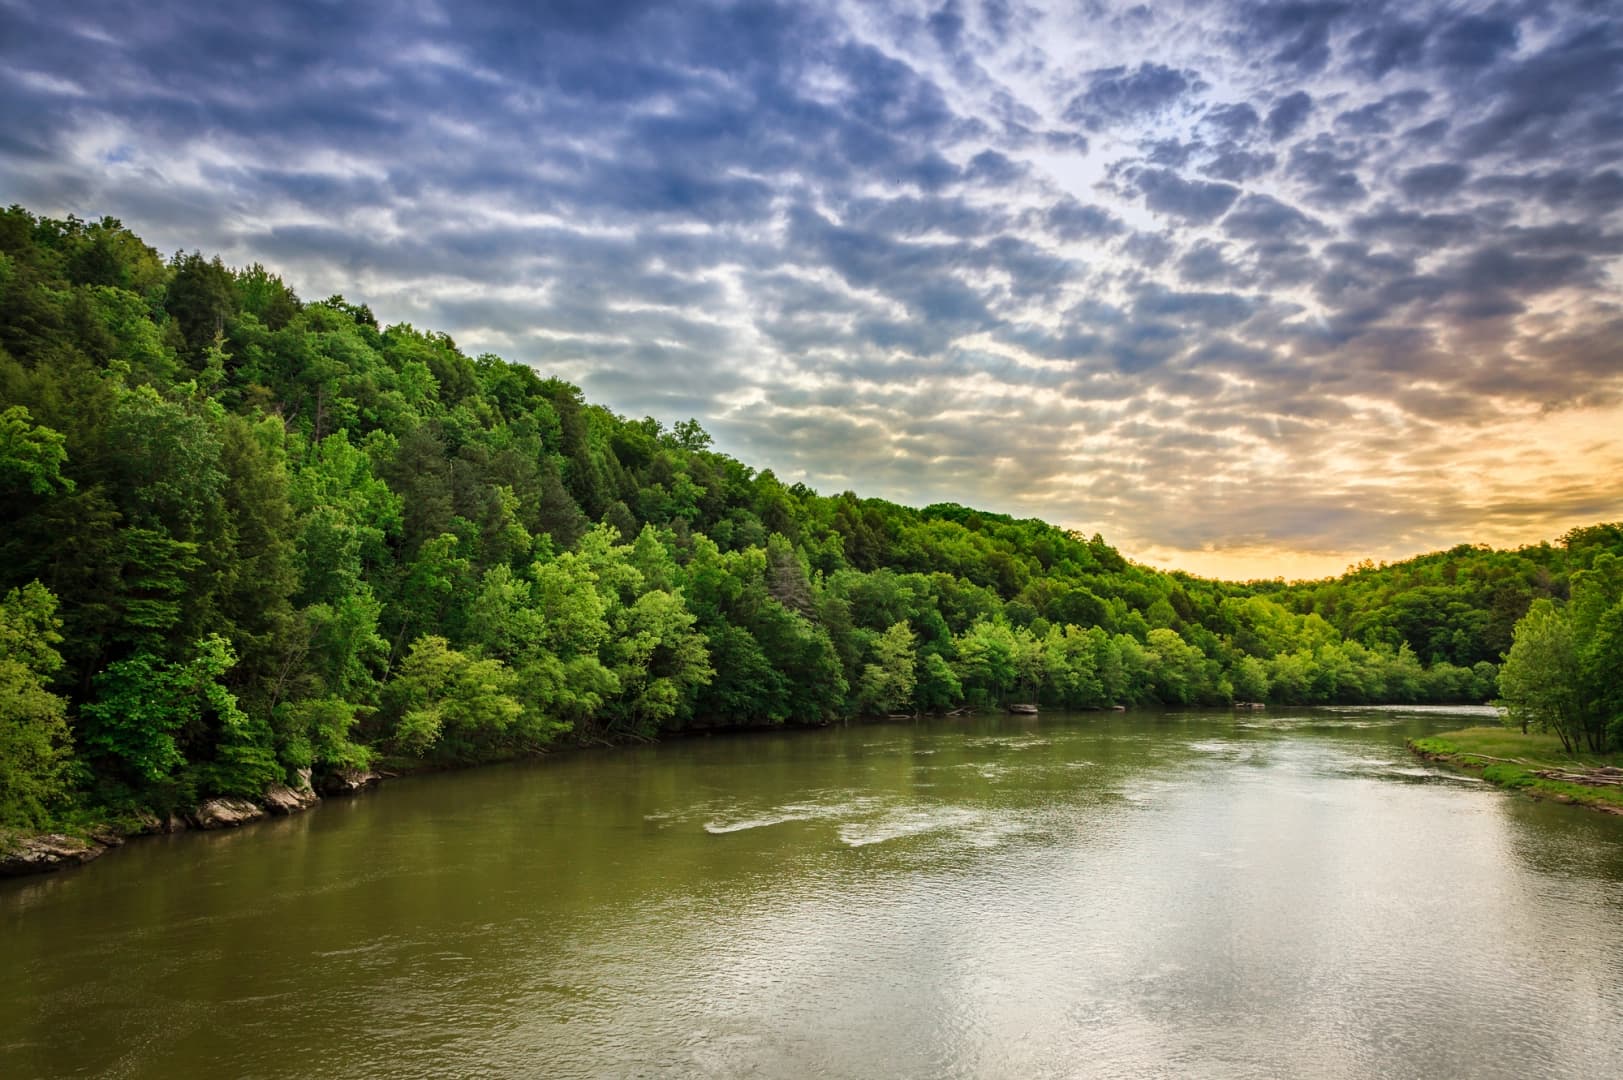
(1252, 288)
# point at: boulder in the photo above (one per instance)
(348, 781)
(225, 813)
(107, 836)
(151, 823)
(281, 799)
(52, 851)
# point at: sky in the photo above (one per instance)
(1254, 289)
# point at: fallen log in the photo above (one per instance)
(1596, 778)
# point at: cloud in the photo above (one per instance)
(1316, 268)
(1235, 121)
(1288, 114)
(1118, 95)
(1475, 41)
(1263, 217)
(1072, 220)
(1192, 200)
(1393, 46)
(1237, 166)
(1430, 182)
(1329, 169)
(1299, 33)
(1533, 102)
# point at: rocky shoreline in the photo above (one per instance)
(45, 852)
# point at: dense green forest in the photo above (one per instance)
(247, 534)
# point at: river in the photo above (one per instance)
(1194, 894)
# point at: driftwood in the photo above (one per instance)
(1605, 776)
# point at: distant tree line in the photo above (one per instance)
(246, 534)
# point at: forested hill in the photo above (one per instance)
(247, 534)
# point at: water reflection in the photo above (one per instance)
(1181, 894)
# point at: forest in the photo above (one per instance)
(248, 536)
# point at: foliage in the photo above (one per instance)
(170, 729)
(889, 681)
(31, 457)
(35, 745)
(1539, 679)
(450, 705)
(1564, 671)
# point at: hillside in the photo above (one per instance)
(247, 534)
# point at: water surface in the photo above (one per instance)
(1280, 893)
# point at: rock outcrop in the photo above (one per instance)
(50, 851)
(225, 813)
(281, 799)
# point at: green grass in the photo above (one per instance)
(1506, 757)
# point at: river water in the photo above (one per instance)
(1272, 894)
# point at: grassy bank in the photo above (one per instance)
(1506, 757)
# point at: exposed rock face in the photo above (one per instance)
(225, 813)
(348, 781)
(281, 799)
(52, 851)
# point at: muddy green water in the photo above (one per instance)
(1278, 894)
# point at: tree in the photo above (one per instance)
(451, 705)
(888, 682)
(150, 712)
(660, 662)
(1539, 679)
(987, 661)
(35, 745)
(31, 456)
(689, 435)
(317, 733)
(938, 688)
(1596, 617)
(201, 297)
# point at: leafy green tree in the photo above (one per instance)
(986, 666)
(201, 298)
(1250, 679)
(938, 687)
(317, 733)
(889, 681)
(450, 705)
(31, 456)
(35, 744)
(150, 712)
(1596, 617)
(660, 662)
(1539, 681)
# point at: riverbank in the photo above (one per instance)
(1534, 764)
(90, 834)
(22, 854)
